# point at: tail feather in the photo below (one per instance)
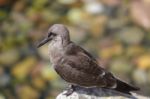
(125, 88)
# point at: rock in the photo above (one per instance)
(98, 93)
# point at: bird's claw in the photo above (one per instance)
(69, 91)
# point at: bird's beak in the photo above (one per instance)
(44, 41)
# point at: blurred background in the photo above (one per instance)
(116, 32)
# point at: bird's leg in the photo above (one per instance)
(70, 90)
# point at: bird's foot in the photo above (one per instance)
(70, 90)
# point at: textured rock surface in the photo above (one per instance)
(99, 93)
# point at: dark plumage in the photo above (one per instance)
(76, 66)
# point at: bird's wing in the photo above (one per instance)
(81, 60)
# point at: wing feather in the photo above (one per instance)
(82, 60)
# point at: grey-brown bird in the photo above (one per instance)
(76, 66)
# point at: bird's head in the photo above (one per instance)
(56, 30)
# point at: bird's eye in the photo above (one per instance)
(51, 34)
(54, 34)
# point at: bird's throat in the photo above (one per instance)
(55, 50)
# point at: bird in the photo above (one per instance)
(77, 66)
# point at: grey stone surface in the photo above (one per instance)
(99, 93)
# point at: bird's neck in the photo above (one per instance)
(56, 49)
